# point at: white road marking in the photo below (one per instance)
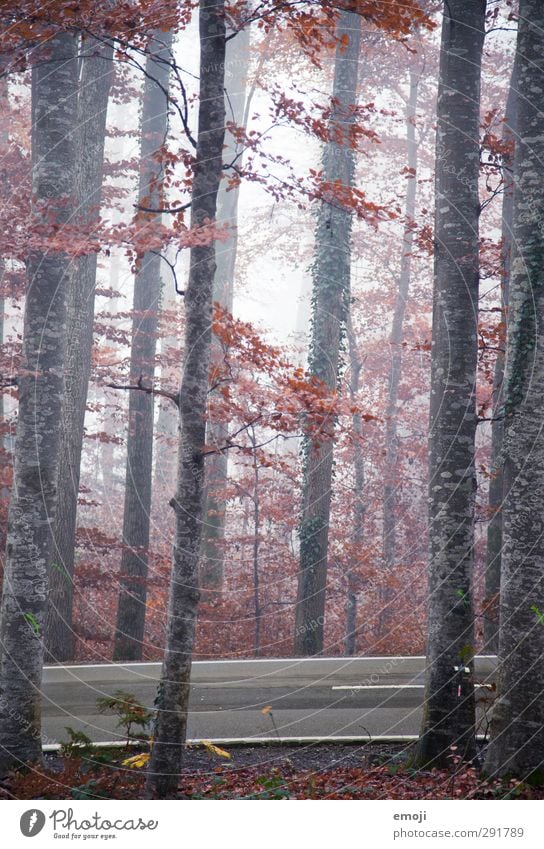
(393, 686)
(293, 660)
(379, 687)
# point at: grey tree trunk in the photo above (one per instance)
(130, 624)
(164, 470)
(386, 614)
(517, 727)
(95, 81)
(4, 143)
(494, 529)
(173, 693)
(213, 532)
(41, 385)
(448, 717)
(330, 309)
(359, 505)
(256, 499)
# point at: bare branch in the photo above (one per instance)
(149, 390)
(229, 439)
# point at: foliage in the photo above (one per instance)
(129, 711)
(389, 780)
(79, 745)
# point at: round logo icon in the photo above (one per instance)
(32, 822)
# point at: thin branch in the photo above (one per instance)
(229, 439)
(172, 267)
(149, 390)
(162, 209)
(490, 419)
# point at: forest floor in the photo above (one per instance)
(318, 771)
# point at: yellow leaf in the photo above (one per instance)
(137, 761)
(266, 710)
(215, 750)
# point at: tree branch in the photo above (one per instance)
(149, 390)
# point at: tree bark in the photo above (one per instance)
(494, 529)
(95, 81)
(517, 726)
(164, 471)
(448, 717)
(213, 532)
(5, 458)
(130, 624)
(330, 308)
(40, 384)
(386, 614)
(173, 694)
(359, 506)
(257, 607)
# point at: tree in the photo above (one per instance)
(94, 88)
(330, 309)
(494, 529)
(213, 534)
(129, 629)
(173, 692)
(359, 506)
(40, 384)
(448, 717)
(396, 339)
(165, 431)
(517, 729)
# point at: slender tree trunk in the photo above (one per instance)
(167, 418)
(494, 529)
(359, 506)
(213, 532)
(449, 695)
(256, 546)
(331, 294)
(129, 629)
(173, 694)
(517, 726)
(5, 458)
(386, 615)
(41, 385)
(95, 81)
(108, 461)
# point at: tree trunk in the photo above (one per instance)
(256, 545)
(5, 458)
(129, 629)
(449, 695)
(173, 694)
(331, 295)
(386, 615)
(494, 529)
(359, 506)
(95, 81)
(517, 726)
(213, 532)
(41, 385)
(164, 471)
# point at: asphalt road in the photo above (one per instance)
(340, 698)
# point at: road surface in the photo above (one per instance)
(337, 698)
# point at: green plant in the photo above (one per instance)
(274, 787)
(130, 714)
(91, 790)
(538, 613)
(78, 745)
(33, 622)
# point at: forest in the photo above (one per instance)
(271, 370)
